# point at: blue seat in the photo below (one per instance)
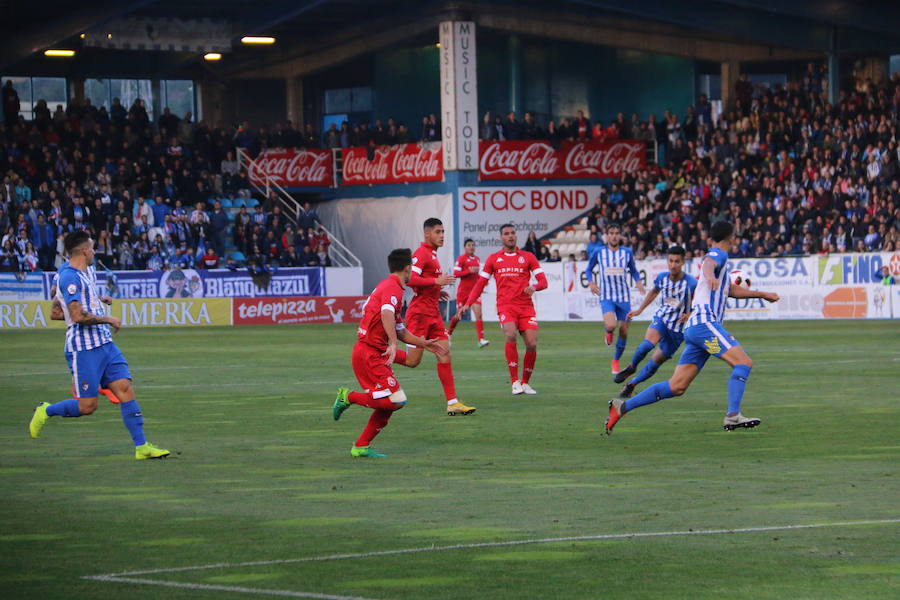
(226, 202)
(251, 202)
(238, 256)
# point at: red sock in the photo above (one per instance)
(377, 422)
(512, 360)
(528, 366)
(400, 357)
(479, 329)
(366, 399)
(445, 374)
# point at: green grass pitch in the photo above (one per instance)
(263, 473)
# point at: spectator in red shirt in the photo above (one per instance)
(209, 260)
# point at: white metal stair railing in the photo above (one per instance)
(340, 254)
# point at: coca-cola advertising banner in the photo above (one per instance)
(291, 310)
(290, 167)
(403, 163)
(541, 209)
(574, 160)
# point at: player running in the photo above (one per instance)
(616, 264)
(512, 270)
(705, 337)
(423, 315)
(675, 290)
(375, 350)
(466, 271)
(94, 359)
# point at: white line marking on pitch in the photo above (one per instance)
(126, 576)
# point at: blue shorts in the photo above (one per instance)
(668, 340)
(703, 341)
(620, 308)
(96, 368)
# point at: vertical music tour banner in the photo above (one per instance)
(459, 95)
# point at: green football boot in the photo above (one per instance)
(148, 450)
(366, 452)
(340, 403)
(39, 419)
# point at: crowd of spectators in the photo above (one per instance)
(796, 174)
(149, 192)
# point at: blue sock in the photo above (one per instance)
(134, 421)
(646, 373)
(64, 408)
(642, 350)
(620, 346)
(736, 385)
(654, 393)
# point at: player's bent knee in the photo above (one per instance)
(87, 406)
(398, 398)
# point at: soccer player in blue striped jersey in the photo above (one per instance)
(617, 271)
(94, 360)
(675, 289)
(705, 336)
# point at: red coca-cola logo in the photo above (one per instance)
(396, 164)
(536, 159)
(539, 160)
(293, 167)
(618, 158)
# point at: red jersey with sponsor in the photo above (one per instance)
(388, 295)
(425, 269)
(467, 279)
(512, 274)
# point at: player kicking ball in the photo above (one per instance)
(617, 271)
(466, 272)
(675, 289)
(512, 269)
(374, 352)
(423, 315)
(94, 359)
(704, 337)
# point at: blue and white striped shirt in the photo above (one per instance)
(73, 284)
(674, 299)
(615, 267)
(709, 304)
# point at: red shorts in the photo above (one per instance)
(461, 299)
(370, 370)
(426, 326)
(523, 316)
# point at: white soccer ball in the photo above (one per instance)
(740, 278)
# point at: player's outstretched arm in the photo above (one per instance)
(736, 291)
(648, 299)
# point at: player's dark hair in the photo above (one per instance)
(678, 250)
(505, 225)
(399, 259)
(721, 230)
(612, 226)
(75, 239)
(432, 222)
(468, 240)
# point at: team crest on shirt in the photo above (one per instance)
(84, 385)
(392, 382)
(521, 260)
(712, 345)
(394, 300)
(72, 288)
(415, 260)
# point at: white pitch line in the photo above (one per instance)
(223, 588)
(581, 538)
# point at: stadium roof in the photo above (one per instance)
(316, 29)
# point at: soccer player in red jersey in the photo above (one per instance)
(512, 270)
(374, 352)
(423, 315)
(466, 272)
